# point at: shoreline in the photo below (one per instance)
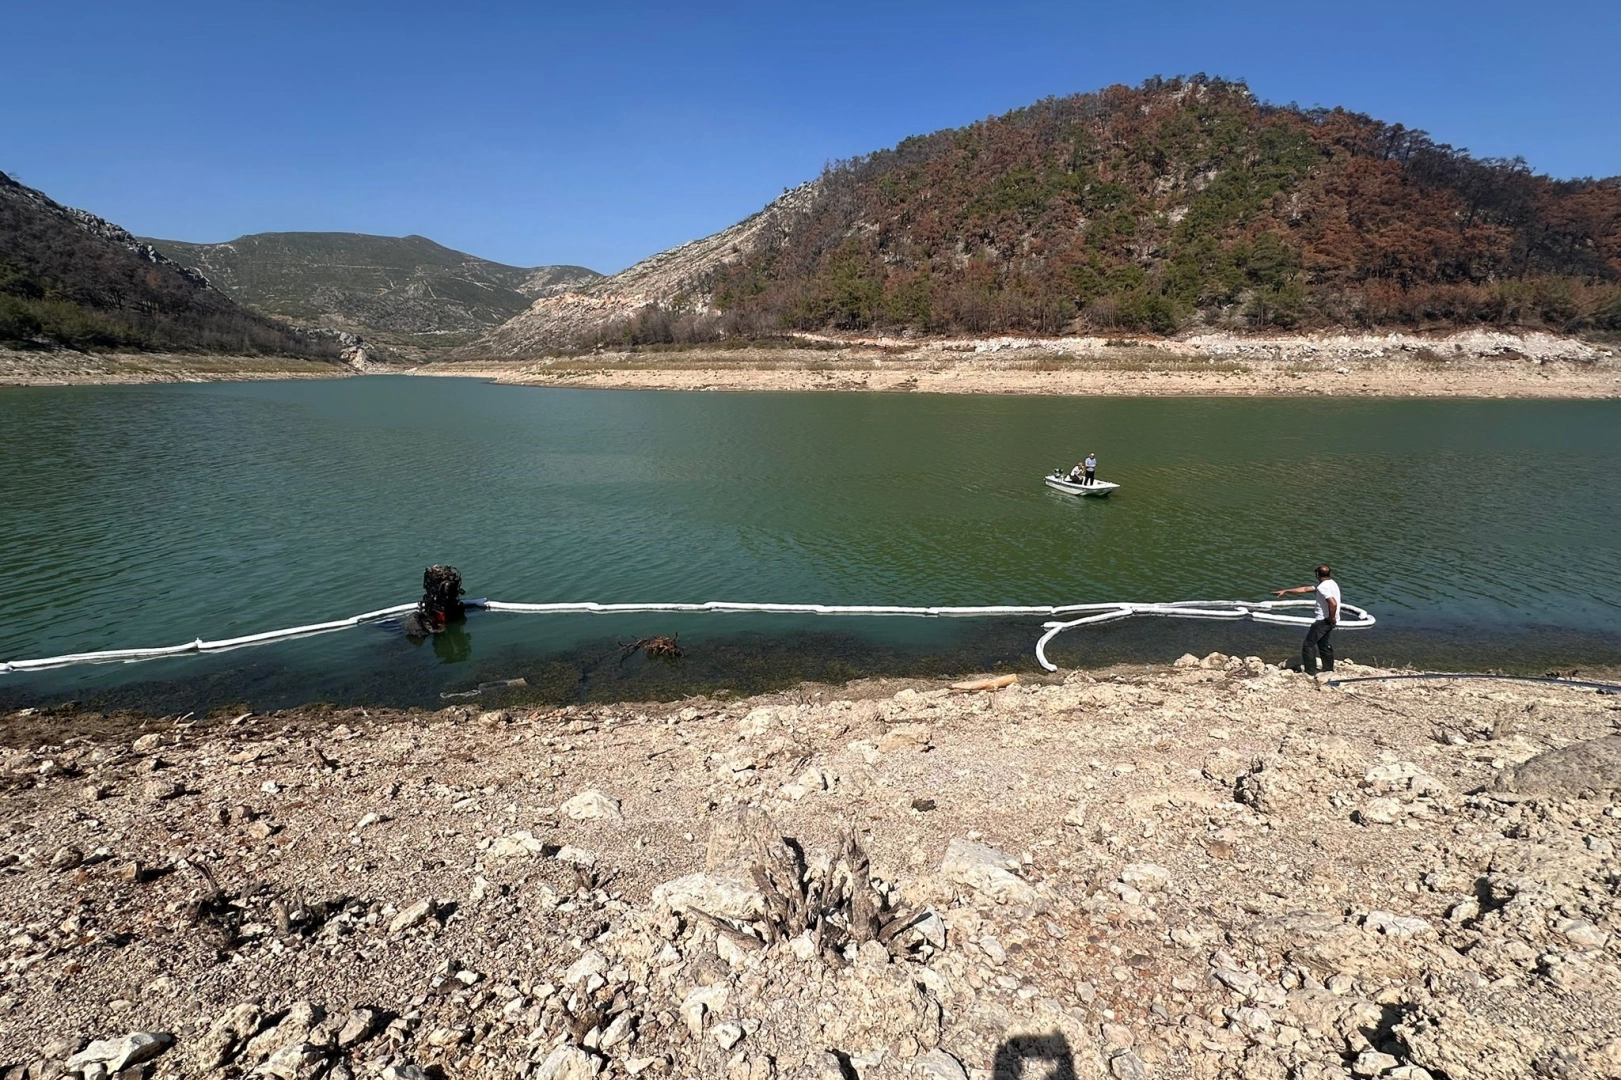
(1474, 364)
(36, 715)
(23, 724)
(69, 368)
(1262, 379)
(1169, 873)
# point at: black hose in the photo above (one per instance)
(1610, 688)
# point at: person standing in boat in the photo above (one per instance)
(1091, 466)
(1327, 617)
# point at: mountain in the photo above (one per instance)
(674, 280)
(398, 290)
(552, 280)
(69, 278)
(1173, 205)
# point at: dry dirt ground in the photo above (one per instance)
(69, 368)
(1476, 364)
(1221, 870)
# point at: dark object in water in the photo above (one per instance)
(498, 684)
(441, 593)
(441, 601)
(452, 644)
(663, 648)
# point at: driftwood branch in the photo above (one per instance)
(835, 900)
(737, 934)
(995, 682)
(657, 648)
(864, 900)
(201, 867)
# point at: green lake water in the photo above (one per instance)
(1481, 533)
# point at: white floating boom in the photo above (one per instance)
(1266, 611)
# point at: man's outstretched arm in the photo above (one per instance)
(1303, 588)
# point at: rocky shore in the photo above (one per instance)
(1473, 364)
(1221, 870)
(66, 367)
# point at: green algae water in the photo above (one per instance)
(1481, 533)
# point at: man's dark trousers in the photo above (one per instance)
(1317, 642)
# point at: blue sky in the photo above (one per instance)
(599, 133)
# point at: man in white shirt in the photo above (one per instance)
(1091, 464)
(1328, 617)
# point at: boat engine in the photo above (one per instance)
(441, 600)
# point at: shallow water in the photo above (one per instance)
(1480, 533)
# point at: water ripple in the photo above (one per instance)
(147, 515)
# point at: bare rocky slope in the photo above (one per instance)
(1220, 870)
(674, 278)
(401, 291)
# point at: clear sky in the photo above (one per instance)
(598, 132)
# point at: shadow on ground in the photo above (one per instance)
(1034, 1057)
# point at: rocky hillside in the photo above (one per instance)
(1224, 872)
(552, 280)
(673, 280)
(402, 291)
(1175, 205)
(69, 278)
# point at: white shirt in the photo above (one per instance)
(1326, 588)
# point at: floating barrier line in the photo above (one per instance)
(1264, 611)
(130, 656)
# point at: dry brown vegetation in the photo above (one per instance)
(70, 279)
(1176, 202)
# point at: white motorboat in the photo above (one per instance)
(1060, 481)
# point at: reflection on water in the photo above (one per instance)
(453, 644)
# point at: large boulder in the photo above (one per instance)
(1579, 770)
(118, 1054)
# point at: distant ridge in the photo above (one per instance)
(675, 280)
(1180, 204)
(402, 291)
(70, 278)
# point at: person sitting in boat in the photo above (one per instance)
(1091, 466)
(1077, 473)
